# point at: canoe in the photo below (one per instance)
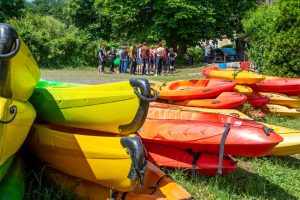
(157, 186)
(223, 101)
(257, 100)
(283, 110)
(114, 162)
(95, 106)
(19, 71)
(240, 77)
(289, 86)
(193, 89)
(243, 89)
(202, 163)
(16, 118)
(13, 184)
(202, 132)
(282, 99)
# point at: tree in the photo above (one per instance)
(273, 32)
(11, 8)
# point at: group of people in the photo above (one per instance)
(143, 60)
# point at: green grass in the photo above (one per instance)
(257, 178)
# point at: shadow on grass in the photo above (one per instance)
(288, 161)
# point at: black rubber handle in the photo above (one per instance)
(13, 110)
(8, 40)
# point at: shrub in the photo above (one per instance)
(53, 43)
(197, 53)
(273, 33)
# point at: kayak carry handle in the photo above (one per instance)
(222, 147)
(13, 110)
(135, 149)
(267, 130)
(8, 38)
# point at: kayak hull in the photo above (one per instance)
(102, 159)
(94, 107)
(282, 99)
(19, 117)
(257, 100)
(283, 110)
(289, 86)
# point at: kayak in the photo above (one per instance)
(243, 89)
(203, 132)
(16, 118)
(114, 162)
(282, 99)
(290, 144)
(5, 167)
(95, 106)
(289, 86)
(46, 83)
(19, 71)
(193, 89)
(283, 110)
(223, 101)
(157, 186)
(257, 100)
(240, 77)
(13, 184)
(291, 138)
(202, 163)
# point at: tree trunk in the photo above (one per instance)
(182, 50)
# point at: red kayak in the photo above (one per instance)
(205, 164)
(289, 86)
(257, 100)
(225, 100)
(194, 89)
(205, 132)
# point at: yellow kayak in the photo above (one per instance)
(111, 161)
(19, 71)
(283, 110)
(16, 119)
(240, 77)
(282, 99)
(115, 107)
(243, 89)
(157, 186)
(289, 146)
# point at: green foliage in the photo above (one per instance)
(197, 53)
(54, 44)
(274, 32)
(11, 8)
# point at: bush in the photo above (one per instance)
(273, 33)
(54, 44)
(197, 53)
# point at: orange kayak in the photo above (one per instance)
(157, 186)
(193, 89)
(225, 100)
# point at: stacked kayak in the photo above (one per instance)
(157, 185)
(223, 101)
(282, 99)
(240, 77)
(283, 110)
(243, 89)
(95, 106)
(114, 162)
(257, 100)
(193, 89)
(19, 74)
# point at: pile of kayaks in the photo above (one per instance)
(107, 141)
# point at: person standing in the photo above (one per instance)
(166, 60)
(125, 60)
(172, 56)
(160, 59)
(145, 58)
(152, 57)
(207, 50)
(139, 59)
(119, 55)
(132, 57)
(101, 59)
(112, 56)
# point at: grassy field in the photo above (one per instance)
(257, 178)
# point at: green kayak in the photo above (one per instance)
(12, 187)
